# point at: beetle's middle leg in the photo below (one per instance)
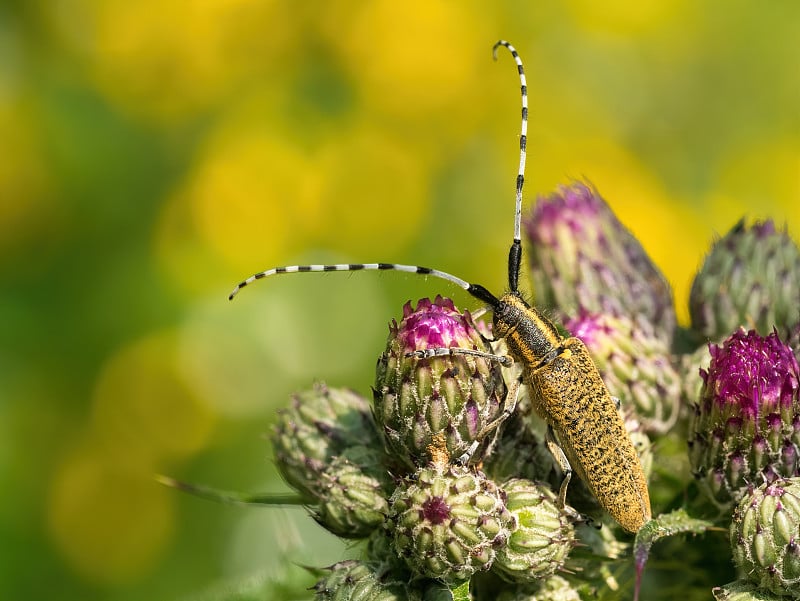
(561, 460)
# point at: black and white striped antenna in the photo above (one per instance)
(476, 290)
(515, 254)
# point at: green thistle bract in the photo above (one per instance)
(448, 521)
(742, 591)
(583, 259)
(543, 537)
(355, 487)
(750, 278)
(765, 536)
(416, 400)
(746, 425)
(363, 581)
(318, 425)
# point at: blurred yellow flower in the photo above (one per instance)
(624, 18)
(107, 516)
(143, 407)
(375, 194)
(761, 180)
(167, 59)
(254, 195)
(415, 59)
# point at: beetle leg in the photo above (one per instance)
(561, 459)
(504, 360)
(508, 409)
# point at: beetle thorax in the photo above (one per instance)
(529, 334)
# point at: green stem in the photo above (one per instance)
(231, 497)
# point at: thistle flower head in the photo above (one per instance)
(543, 538)
(448, 522)
(746, 426)
(353, 492)
(751, 278)
(436, 324)
(318, 425)
(754, 373)
(417, 400)
(583, 258)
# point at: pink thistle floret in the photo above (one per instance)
(436, 324)
(588, 326)
(574, 206)
(758, 374)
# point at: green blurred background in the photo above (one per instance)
(155, 153)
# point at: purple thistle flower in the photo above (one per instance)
(746, 427)
(583, 259)
(757, 374)
(436, 406)
(436, 324)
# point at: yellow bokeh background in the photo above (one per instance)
(155, 153)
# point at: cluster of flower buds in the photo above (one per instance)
(447, 492)
(736, 399)
(404, 472)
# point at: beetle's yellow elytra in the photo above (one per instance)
(571, 396)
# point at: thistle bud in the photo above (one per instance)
(318, 425)
(419, 399)
(448, 521)
(583, 259)
(355, 488)
(746, 425)
(765, 536)
(635, 365)
(751, 278)
(363, 581)
(543, 538)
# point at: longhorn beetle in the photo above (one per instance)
(584, 429)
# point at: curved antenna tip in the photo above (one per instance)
(497, 44)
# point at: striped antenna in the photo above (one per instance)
(475, 290)
(515, 254)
